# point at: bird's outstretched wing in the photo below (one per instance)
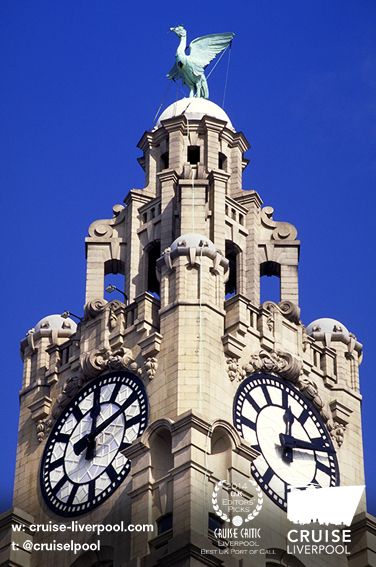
(173, 72)
(205, 48)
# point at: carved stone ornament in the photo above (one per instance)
(150, 367)
(337, 432)
(71, 387)
(281, 363)
(281, 230)
(41, 430)
(286, 308)
(234, 370)
(290, 368)
(112, 317)
(93, 307)
(92, 364)
(104, 228)
(95, 362)
(194, 247)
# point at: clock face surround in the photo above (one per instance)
(82, 463)
(283, 426)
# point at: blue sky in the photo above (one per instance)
(81, 81)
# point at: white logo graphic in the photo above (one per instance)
(333, 505)
(237, 503)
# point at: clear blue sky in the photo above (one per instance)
(81, 81)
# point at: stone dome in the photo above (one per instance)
(327, 325)
(56, 323)
(194, 109)
(193, 240)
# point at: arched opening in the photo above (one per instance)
(232, 253)
(220, 441)
(220, 457)
(270, 282)
(161, 453)
(153, 252)
(114, 280)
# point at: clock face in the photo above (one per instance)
(294, 445)
(82, 463)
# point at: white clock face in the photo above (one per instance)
(294, 445)
(83, 462)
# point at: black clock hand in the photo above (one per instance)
(86, 439)
(316, 444)
(95, 411)
(289, 419)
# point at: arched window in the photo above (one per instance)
(270, 282)
(161, 453)
(232, 254)
(220, 457)
(153, 252)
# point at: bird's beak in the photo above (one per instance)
(172, 29)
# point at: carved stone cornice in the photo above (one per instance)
(168, 175)
(218, 175)
(212, 124)
(249, 197)
(176, 123)
(241, 141)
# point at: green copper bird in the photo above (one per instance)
(190, 68)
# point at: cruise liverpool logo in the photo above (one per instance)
(333, 505)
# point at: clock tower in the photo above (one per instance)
(152, 408)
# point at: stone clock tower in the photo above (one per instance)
(148, 409)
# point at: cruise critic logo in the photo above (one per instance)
(333, 505)
(235, 503)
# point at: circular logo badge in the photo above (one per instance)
(237, 503)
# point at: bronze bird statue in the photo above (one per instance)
(190, 68)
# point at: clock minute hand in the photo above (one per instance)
(288, 441)
(288, 418)
(86, 439)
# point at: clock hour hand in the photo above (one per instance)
(317, 444)
(90, 448)
(83, 443)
